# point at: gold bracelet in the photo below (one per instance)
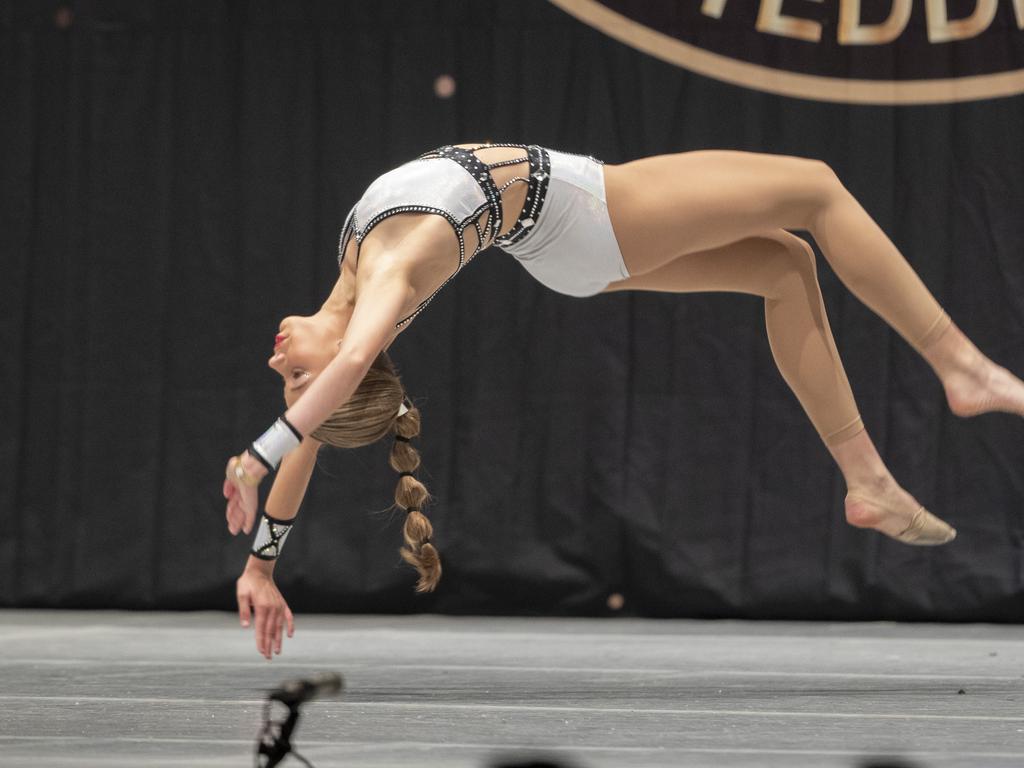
(237, 472)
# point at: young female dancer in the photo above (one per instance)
(708, 220)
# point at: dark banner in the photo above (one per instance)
(173, 177)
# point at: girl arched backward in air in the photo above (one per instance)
(709, 220)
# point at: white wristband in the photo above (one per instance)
(273, 444)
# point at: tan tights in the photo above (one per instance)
(715, 221)
(750, 252)
(780, 268)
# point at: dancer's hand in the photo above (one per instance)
(242, 499)
(258, 594)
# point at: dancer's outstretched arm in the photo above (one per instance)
(255, 589)
(381, 299)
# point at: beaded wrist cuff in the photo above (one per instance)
(270, 537)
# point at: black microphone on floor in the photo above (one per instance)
(274, 742)
(307, 689)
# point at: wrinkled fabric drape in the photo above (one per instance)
(173, 178)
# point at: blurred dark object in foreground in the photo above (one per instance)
(274, 741)
(529, 762)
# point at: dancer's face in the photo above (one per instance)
(303, 348)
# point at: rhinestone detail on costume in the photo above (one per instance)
(487, 236)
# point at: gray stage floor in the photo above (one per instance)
(159, 689)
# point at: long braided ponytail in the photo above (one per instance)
(411, 495)
(368, 416)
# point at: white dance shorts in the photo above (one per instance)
(571, 247)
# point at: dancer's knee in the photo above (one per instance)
(826, 189)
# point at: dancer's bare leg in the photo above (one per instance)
(780, 267)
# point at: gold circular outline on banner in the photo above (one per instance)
(762, 78)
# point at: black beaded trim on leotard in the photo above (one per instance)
(481, 173)
(537, 185)
(536, 191)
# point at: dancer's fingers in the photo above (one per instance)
(278, 631)
(244, 607)
(261, 629)
(291, 621)
(247, 501)
(234, 517)
(239, 516)
(268, 632)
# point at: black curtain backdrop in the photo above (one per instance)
(174, 176)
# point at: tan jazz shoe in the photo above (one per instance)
(926, 530)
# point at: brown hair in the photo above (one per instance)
(369, 415)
